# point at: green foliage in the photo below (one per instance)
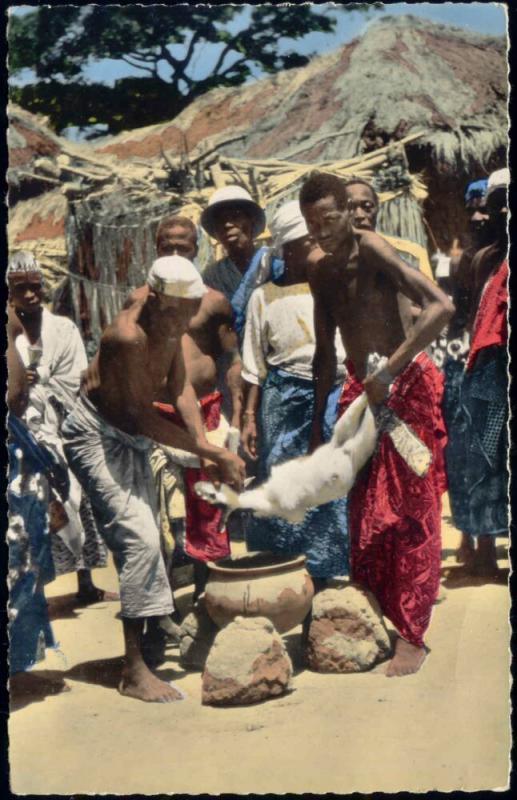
(59, 42)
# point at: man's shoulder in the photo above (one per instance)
(214, 302)
(314, 262)
(371, 240)
(124, 330)
(481, 255)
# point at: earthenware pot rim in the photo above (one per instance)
(251, 572)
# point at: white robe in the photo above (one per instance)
(61, 361)
(63, 357)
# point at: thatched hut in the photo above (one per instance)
(403, 75)
(415, 107)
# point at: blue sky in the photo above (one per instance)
(487, 18)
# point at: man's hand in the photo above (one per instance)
(31, 375)
(14, 324)
(211, 471)
(58, 517)
(376, 391)
(249, 437)
(232, 469)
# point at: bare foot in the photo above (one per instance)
(141, 684)
(408, 659)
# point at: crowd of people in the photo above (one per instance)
(220, 375)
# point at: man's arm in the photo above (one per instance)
(138, 296)
(236, 386)
(324, 364)
(483, 264)
(184, 398)
(221, 312)
(17, 386)
(437, 308)
(249, 429)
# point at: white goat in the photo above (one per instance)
(309, 481)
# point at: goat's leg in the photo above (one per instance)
(256, 500)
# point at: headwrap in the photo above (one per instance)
(498, 180)
(287, 225)
(176, 276)
(23, 262)
(476, 189)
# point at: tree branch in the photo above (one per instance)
(223, 55)
(139, 66)
(144, 56)
(232, 66)
(195, 39)
(171, 61)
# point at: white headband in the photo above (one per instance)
(23, 262)
(498, 180)
(176, 276)
(287, 224)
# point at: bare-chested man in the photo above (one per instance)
(363, 203)
(209, 336)
(363, 288)
(210, 331)
(107, 440)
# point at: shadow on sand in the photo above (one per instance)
(33, 687)
(63, 607)
(459, 576)
(294, 646)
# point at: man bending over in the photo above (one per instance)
(107, 440)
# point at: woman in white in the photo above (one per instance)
(278, 350)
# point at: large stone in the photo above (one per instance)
(347, 631)
(197, 637)
(247, 663)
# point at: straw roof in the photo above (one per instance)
(404, 74)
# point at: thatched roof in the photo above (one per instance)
(404, 74)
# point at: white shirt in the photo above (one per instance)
(62, 359)
(279, 332)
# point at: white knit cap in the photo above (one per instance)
(23, 262)
(500, 179)
(287, 224)
(176, 276)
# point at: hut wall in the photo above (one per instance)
(444, 208)
(111, 245)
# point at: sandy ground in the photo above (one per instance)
(445, 728)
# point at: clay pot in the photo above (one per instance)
(259, 584)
